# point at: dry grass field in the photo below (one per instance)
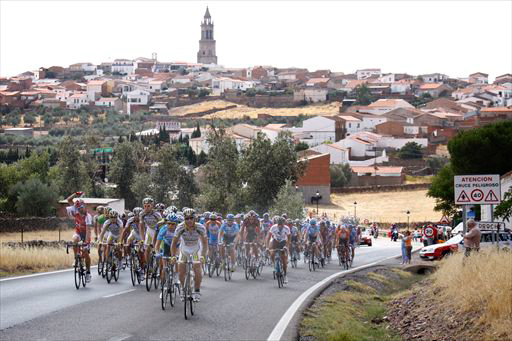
(46, 235)
(387, 207)
(241, 110)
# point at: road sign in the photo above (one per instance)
(477, 189)
(444, 220)
(489, 226)
(429, 232)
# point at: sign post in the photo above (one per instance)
(476, 190)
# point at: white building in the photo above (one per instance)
(123, 66)
(77, 100)
(219, 85)
(382, 106)
(339, 155)
(478, 78)
(96, 89)
(311, 94)
(367, 73)
(316, 130)
(506, 185)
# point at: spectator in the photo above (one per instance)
(404, 250)
(408, 245)
(472, 238)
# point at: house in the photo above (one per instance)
(478, 78)
(382, 106)
(82, 67)
(367, 73)
(433, 77)
(200, 144)
(123, 66)
(77, 100)
(402, 114)
(96, 89)
(310, 94)
(352, 84)
(11, 99)
(316, 178)
(505, 186)
(338, 154)
(393, 128)
(317, 82)
(401, 88)
(109, 102)
(137, 99)
(489, 115)
(505, 79)
(19, 131)
(91, 204)
(436, 118)
(433, 89)
(319, 129)
(221, 84)
(376, 175)
(350, 124)
(445, 103)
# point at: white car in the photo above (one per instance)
(438, 251)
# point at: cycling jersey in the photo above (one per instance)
(294, 232)
(213, 228)
(343, 233)
(190, 238)
(100, 219)
(266, 225)
(166, 235)
(82, 221)
(113, 226)
(253, 229)
(150, 219)
(230, 232)
(132, 225)
(353, 235)
(280, 234)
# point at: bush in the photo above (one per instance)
(288, 201)
(34, 198)
(411, 150)
(340, 175)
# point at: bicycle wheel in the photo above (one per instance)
(149, 274)
(210, 268)
(77, 273)
(100, 265)
(217, 267)
(186, 297)
(163, 293)
(117, 270)
(171, 289)
(225, 269)
(108, 270)
(246, 270)
(156, 275)
(82, 272)
(133, 270)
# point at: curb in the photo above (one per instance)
(287, 327)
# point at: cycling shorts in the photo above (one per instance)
(313, 239)
(165, 250)
(277, 244)
(228, 239)
(187, 252)
(252, 237)
(150, 237)
(111, 239)
(343, 242)
(294, 238)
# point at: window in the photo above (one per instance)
(358, 125)
(350, 125)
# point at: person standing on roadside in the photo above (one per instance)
(408, 246)
(472, 238)
(404, 250)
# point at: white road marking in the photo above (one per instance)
(40, 274)
(119, 293)
(120, 337)
(279, 329)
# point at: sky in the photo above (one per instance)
(452, 37)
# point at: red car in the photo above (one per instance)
(438, 251)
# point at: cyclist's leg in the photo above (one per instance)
(284, 256)
(181, 267)
(255, 249)
(232, 255)
(148, 240)
(273, 245)
(198, 272)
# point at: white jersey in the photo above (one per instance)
(190, 238)
(280, 234)
(113, 226)
(150, 219)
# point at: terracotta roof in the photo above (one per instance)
(386, 102)
(336, 147)
(430, 86)
(380, 170)
(318, 80)
(9, 93)
(106, 99)
(96, 82)
(349, 118)
(497, 109)
(479, 73)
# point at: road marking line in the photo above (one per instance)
(119, 293)
(40, 274)
(279, 329)
(120, 337)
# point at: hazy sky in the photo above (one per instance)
(456, 38)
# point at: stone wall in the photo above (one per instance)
(383, 188)
(34, 224)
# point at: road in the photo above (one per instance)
(49, 307)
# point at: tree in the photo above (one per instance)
(203, 93)
(29, 118)
(265, 167)
(288, 201)
(122, 171)
(34, 198)
(363, 95)
(70, 176)
(141, 187)
(504, 209)
(196, 132)
(411, 150)
(301, 146)
(436, 163)
(340, 175)
(442, 190)
(202, 158)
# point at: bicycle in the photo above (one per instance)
(250, 266)
(79, 265)
(341, 257)
(187, 288)
(226, 264)
(135, 265)
(293, 255)
(152, 272)
(312, 264)
(101, 263)
(350, 260)
(214, 264)
(112, 266)
(170, 287)
(278, 267)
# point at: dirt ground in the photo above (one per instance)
(389, 207)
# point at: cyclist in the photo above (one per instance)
(160, 208)
(313, 237)
(166, 234)
(324, 233)
(83, 225)
(132, 229)
(266, 224)
(190, 234)
(251, 233)
(343, 235)
(148, 221)
(353, 237)
(238, 219)
(113, 225)
(212, 230)
(228, 235)
(295, 238)
(279, 238)
(98, 225)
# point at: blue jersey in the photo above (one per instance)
(230, 232)
(213, 233)
(313, 230)
(353, 234)
(165, 234)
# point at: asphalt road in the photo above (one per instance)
(49, 307)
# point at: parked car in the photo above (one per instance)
(438, 251)
(366, 238)
(487, 239)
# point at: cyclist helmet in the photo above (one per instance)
(172, 217)
(113, 214)
(230, 216)
(265, 216)
(180, 218)
(123, 216)
(148, 200)
(285, 216)
(189, 212)
(289, 221)
(322, 222)
(274, 219)
(312, 222)
(137, 211)
(172, 209)
(281, 220)
(100, 209)
(131, 215)
(160, 207)
(213, 216)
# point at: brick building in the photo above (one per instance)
(316, 178)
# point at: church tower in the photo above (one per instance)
(206, 54)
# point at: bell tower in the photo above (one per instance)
(207, 54)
